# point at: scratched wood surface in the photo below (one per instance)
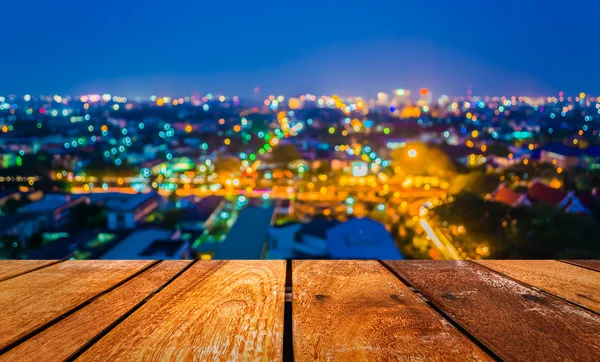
(31, 300)
(516, 322)
(63, 339)
(591, 264)
(214, 311)
(578, 285)
(357, 310)
(12, 268)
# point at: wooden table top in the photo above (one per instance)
(300, 310)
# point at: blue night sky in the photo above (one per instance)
(143, 47)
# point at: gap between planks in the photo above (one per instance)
(74, 309)
(119, 320)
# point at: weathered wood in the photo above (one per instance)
(359, 311)
(516, 322)
(29, 301)
(12, 268)
(578, 285)
(590, 264)
(63, 339)
(214, 311)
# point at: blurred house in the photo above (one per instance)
(54, 210)
(151, 244)
(19, 226)
(560, 155)
(126, 211)
(202, 214)
(509, 197)
(362, 238)
(300, 241)
(538, 192)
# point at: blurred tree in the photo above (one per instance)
(89, 216)
(419, 159)
(171, 218)
(12, 205)
(226, 164)
(477, 182)
(284, 154)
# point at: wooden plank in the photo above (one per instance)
(12, 268)
(578, 285)
(516, 322)
(29, 301)
(66, 337)
(214, 311)
(358, 311)
(590, 264)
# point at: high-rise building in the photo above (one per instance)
(383, 99)
(425, 96)
(401, 97)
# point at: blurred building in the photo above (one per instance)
(151, 244)
(401, 97)
(362, 238)
(126, 211)
(54, 210)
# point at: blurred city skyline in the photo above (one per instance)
(139, 48)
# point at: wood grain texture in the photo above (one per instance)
(359, 311)
(578, 285)
(516, 322)
(214, 311)
(66, 337)
(11, 268)
(591, 264)
(31, 300)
